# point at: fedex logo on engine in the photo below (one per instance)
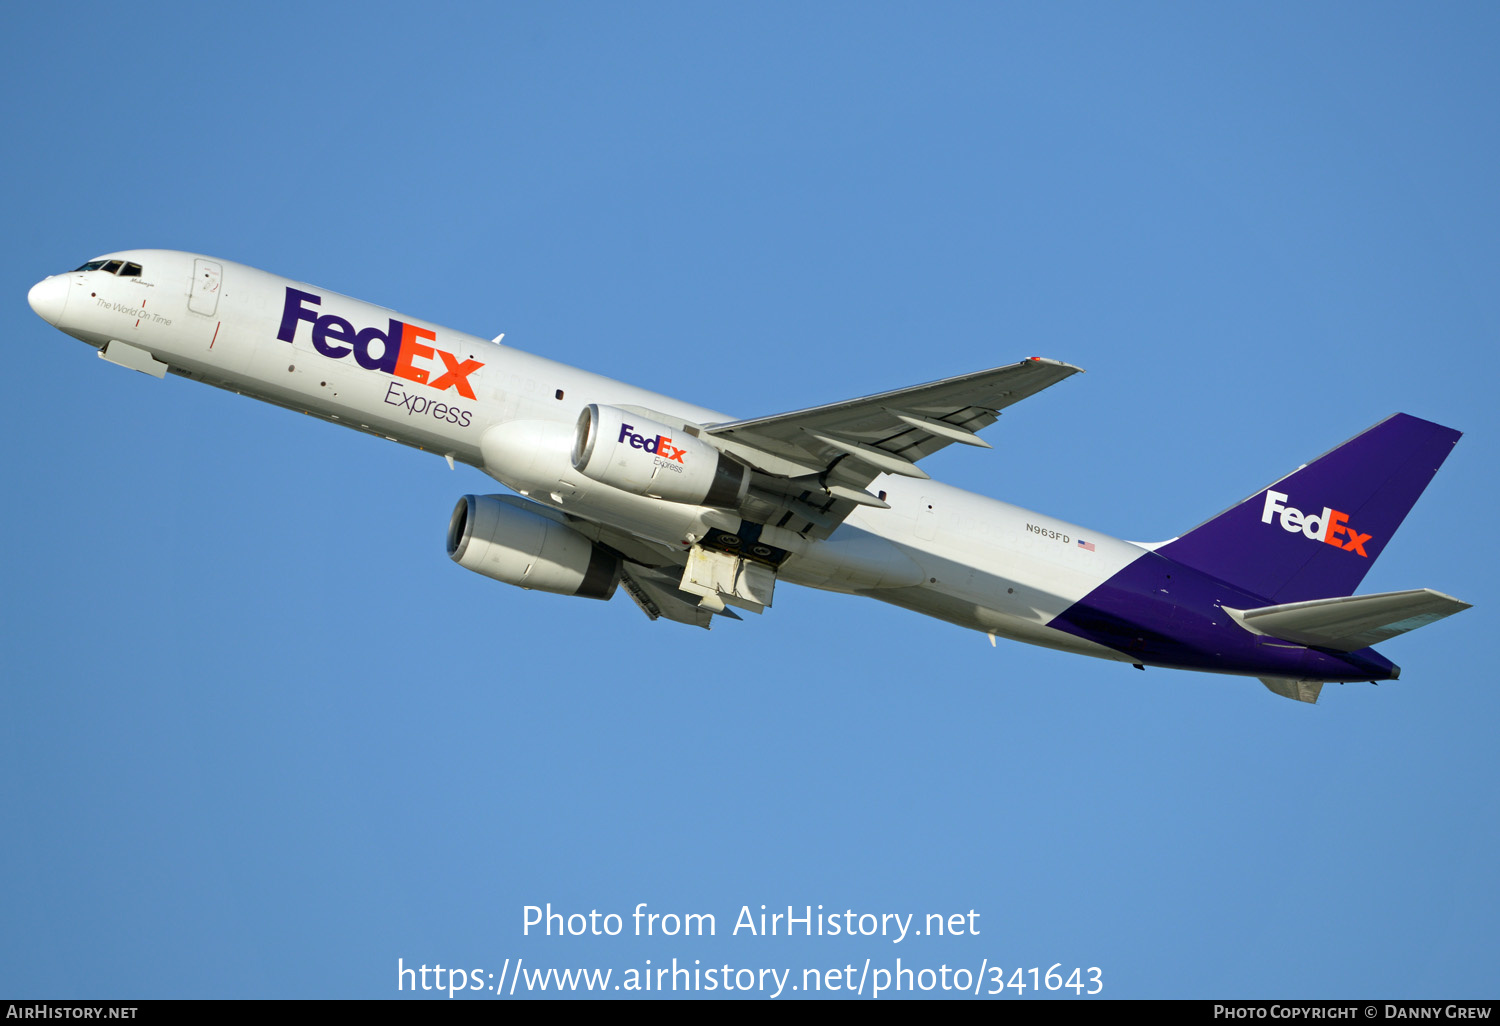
(1324, 527)
(661, 446)
(395, 351)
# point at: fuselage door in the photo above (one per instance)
(208, 276)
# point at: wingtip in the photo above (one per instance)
(1055, 363)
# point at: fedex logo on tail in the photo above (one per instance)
(660, 446)
(397, 350)
(1324, 527)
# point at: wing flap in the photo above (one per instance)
(1350, 622)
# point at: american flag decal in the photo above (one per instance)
(1085, 545)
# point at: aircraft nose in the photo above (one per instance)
(48, 297)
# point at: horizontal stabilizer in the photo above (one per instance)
(1350, 622)
(1297, 690)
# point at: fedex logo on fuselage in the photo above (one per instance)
(1324, 527)
(395, 351)
(660, 446)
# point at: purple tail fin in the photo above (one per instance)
(1315, 533)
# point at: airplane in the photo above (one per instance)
(695, 514)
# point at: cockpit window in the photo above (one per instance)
(120, 267)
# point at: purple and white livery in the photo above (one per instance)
(695, 514)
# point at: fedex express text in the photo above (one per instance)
(397, 350)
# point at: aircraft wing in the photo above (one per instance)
(823, 457)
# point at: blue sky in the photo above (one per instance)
(261, 737)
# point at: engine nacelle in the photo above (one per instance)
(524, 543)
(644, 457)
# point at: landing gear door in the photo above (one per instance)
(207, 278)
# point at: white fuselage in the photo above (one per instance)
(938, 550)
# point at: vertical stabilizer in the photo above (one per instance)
(1316, 532)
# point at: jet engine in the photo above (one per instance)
(526, 544)
(644, 457)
